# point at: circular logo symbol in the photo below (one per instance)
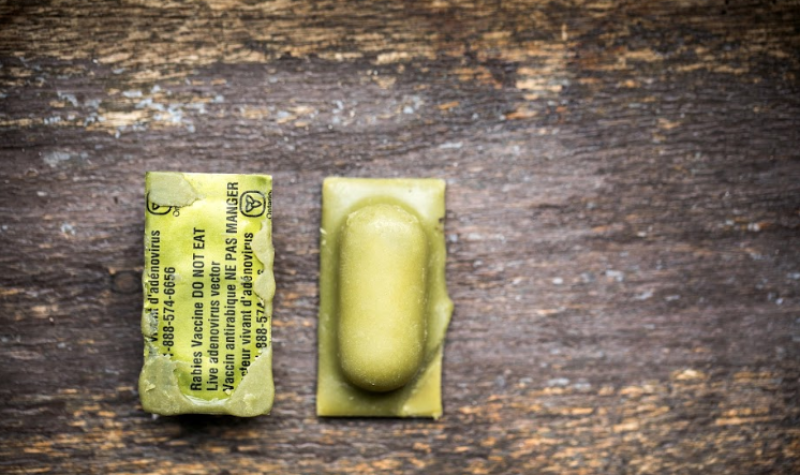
(156, 209)
(252, 203)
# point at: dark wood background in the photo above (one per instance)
(623, 224)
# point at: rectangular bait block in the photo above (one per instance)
(208, 288)
(384, 308)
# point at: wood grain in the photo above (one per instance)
(623, 224)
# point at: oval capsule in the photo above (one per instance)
(383, 269)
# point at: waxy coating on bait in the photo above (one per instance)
(384, 308)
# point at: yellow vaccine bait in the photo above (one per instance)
(382, 297)
(384, 308)
(208, 288)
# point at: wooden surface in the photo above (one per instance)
(623, 224)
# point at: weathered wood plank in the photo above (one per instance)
(624, 203)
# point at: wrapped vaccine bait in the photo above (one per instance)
(208, 289)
